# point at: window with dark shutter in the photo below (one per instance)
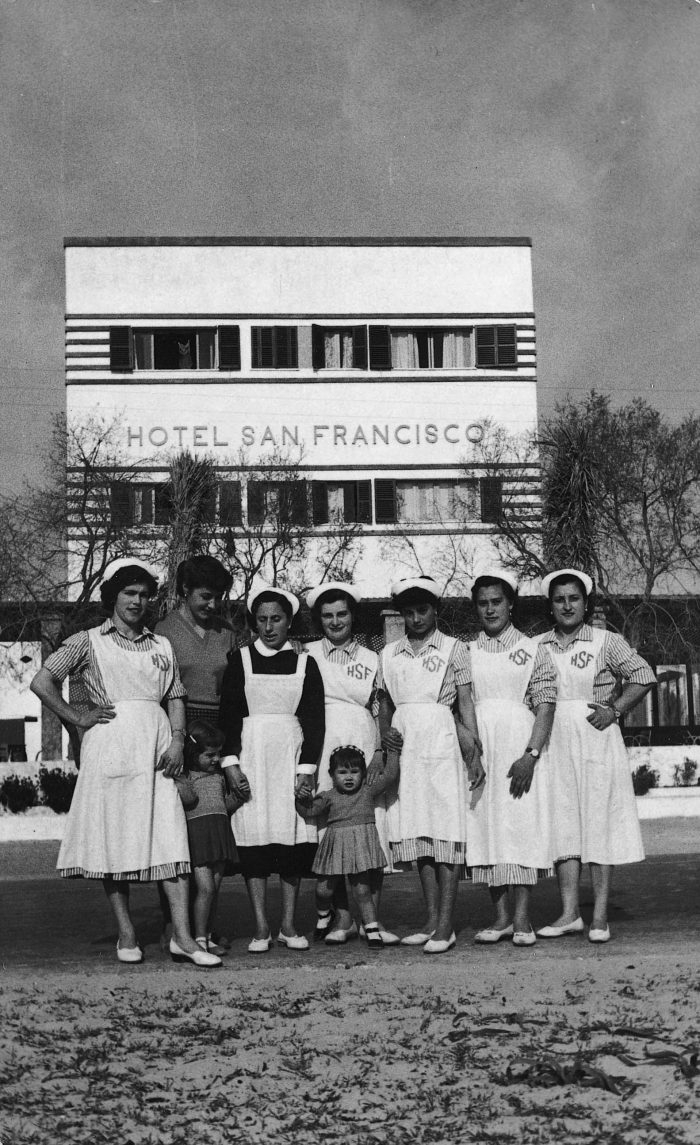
(319, 502)
(274, 347)
(379, 348)
(229, 348)
(495, 347)
(256, 501)
(121, 504)
(384, 501)
(230, 507)
(162, 504)
(491, 490)
(359, 347)
(363, 493)
(318, 349)
(294, 502)
(121, 350)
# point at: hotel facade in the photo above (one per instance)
(365, 377)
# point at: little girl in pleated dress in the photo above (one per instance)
(350, 847)
(208, 809)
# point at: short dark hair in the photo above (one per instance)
(333, 596)
(491, 582)
(201, 734)
(345, 755)
(271, 597)
(203, 572)
(130, 574)
(413, 596)
(564, 579)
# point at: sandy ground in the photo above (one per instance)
(564, 1042)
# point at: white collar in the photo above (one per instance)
(265, 651)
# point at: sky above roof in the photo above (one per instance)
(570, 121)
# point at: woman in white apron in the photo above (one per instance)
(272, 714)
(594, 814)
(508, 819)
(126, 822)
(349, 673)
(420, 677)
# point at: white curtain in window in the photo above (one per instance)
(143, 344)
(337, 346)
(404, 350)
(205, 350)
(436, 502)
(456, 350)
(336, 503)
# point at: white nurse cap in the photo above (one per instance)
(576, 573)
(333, 586)
(282, 593)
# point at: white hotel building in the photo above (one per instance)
(375, 366)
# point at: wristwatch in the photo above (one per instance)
(615, 711)
(533, 752)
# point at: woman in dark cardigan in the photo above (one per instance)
(272, 714)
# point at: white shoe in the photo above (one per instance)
(524, 938)
(597, 935)
(575, 927)
(293, 941)
(492, 934)
(440, 945)
(198, 957)
(386, 936)
(260, 945)
(129, 953)
(338, 936)
(418, 939)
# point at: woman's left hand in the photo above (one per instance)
(520, 775)
(475, 771)
(303, 786)
(601, 717)
(170, 762)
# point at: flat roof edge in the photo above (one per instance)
(258, 240)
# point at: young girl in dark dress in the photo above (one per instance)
(208, 808)
(350, 847)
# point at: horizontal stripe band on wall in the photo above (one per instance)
(312, 316)
(296, 240)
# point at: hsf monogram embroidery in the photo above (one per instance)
(519, 656)
(160, 660)
(433, 663)
(359, 671)
(581, 659)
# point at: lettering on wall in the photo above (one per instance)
(338, 434)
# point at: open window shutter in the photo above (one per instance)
(121, 349)
(485, 347)
(318, 351)
(229, 348)
(256, 501)
(384, 501)
(349, 502)
(506, 346)
(379, 348)
(230, 508)
(359, 347)
(208, 507)
(319, 502)
(364, 502)
(121, 504)
(162, 504)
(491, 489)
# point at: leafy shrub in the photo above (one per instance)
(57, 787)
(684, 773)
(644, 778)
(17, 793)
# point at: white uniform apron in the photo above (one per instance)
(126, 817)
(501, 829)
(271, 741)
(432, 795)
(594, 814)
(348, 689)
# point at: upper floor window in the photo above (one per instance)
(149, 503)
(496, 347)
(420, 348)
(174, 348)
(442, 502)
(278, 503)
(339, 347)
(274, 347)
(341, 502)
